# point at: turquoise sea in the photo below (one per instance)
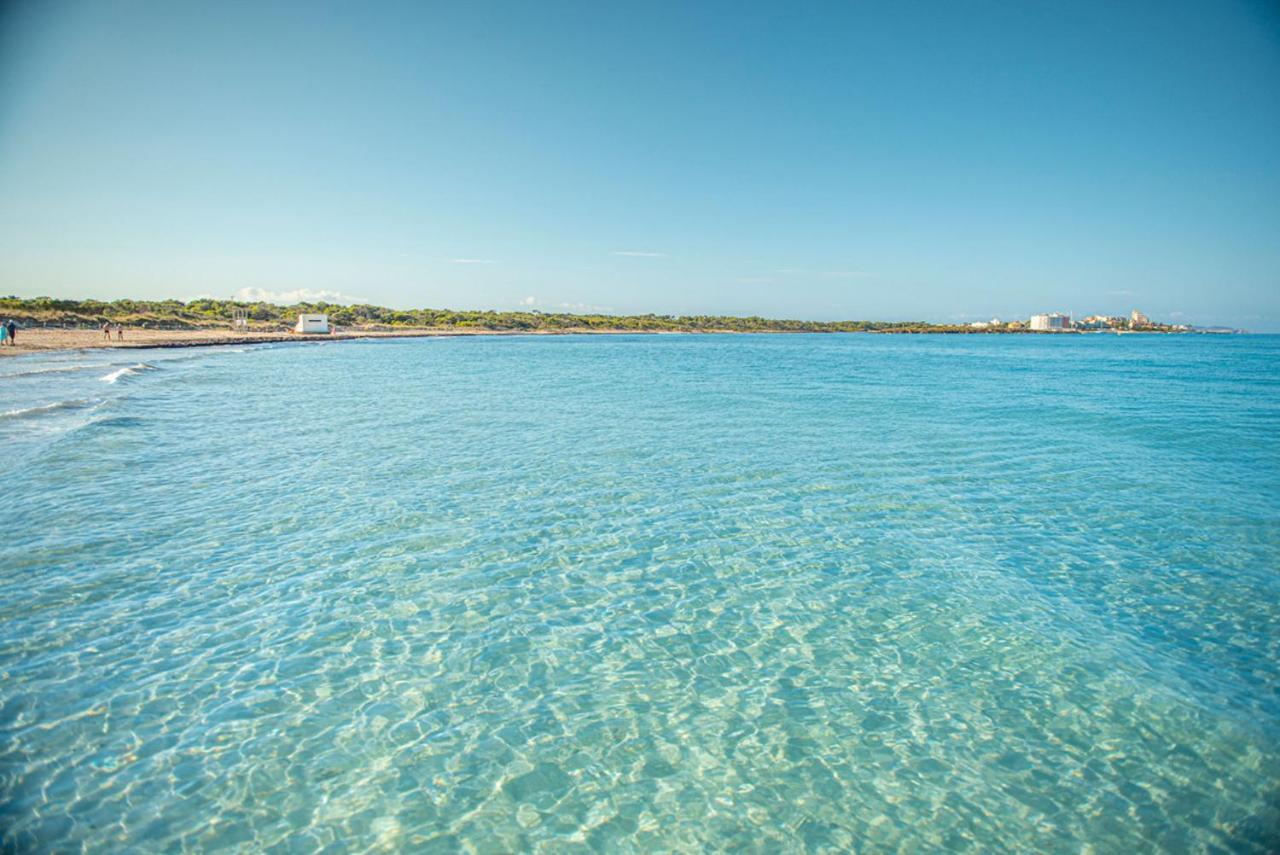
(791, 593)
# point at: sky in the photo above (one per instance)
(945, 161)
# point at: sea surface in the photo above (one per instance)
(790, 593)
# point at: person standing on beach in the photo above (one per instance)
(13, 333)
(106, 330)
(4, 334)
(119, 332)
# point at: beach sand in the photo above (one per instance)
(34, 340)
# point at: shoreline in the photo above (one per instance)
(47, 340)
(44, 340)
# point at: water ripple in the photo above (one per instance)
(789, 593)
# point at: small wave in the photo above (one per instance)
(195, 353)
(45, 409)
(111, 422)
(57, 369)
(127, 371)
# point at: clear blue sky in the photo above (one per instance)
(944, 161)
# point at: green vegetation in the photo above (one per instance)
(268, 317)
(197, 314)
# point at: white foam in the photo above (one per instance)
(43, 409)
(127, 371)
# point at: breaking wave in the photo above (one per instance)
(127, 371)
(46, 409)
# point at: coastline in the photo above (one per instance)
(42, 340)
(48, 340)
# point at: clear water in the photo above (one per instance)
(776, 593)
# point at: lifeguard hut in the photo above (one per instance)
(312, 324)
(240, 320)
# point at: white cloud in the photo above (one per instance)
(585, 307)
(287, 298)
(635, 253)
(528, 301)
(829, 274)
(472, 261)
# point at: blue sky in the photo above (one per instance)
(943, 161)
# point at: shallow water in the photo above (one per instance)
(668, 592)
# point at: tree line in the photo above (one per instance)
(205, 313)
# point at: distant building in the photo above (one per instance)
(312, 324)
(1137, 319)
(1053, 321)
(1100, 322)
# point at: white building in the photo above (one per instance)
(1137, 319)
(312, 324)
(1051, 322)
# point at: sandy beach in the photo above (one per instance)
(36, 340)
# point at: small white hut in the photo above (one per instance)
(312, 324)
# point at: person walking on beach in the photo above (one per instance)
(119, 332)
(4, 334)
(106, 330)
(13, 333)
